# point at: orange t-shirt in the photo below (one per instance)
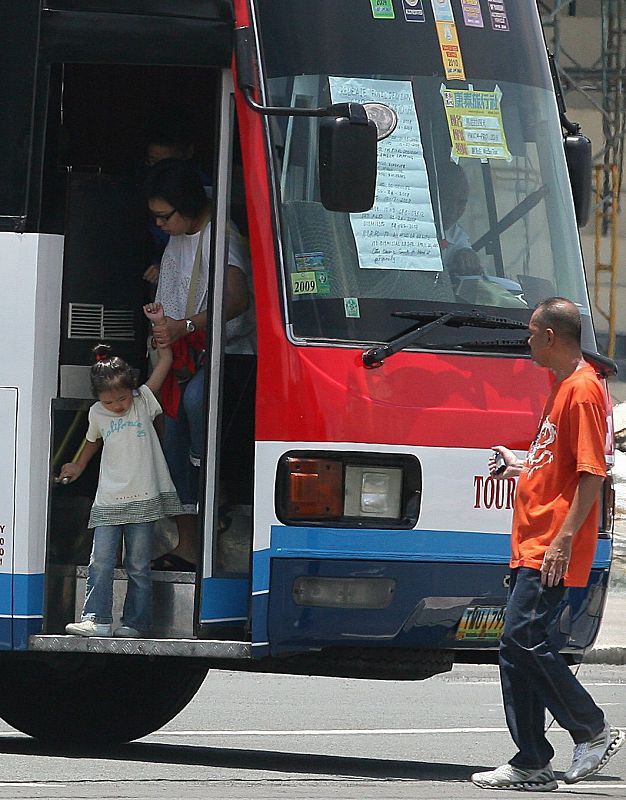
(571, 439)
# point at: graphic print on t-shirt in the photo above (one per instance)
(538, 455)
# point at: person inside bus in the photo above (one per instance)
(180, 207)
(471, 282)
(166, 138)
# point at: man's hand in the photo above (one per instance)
(152, 274)
(513, 464)
(556, 561)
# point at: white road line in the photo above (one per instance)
(339, 732)
(39, 785)
(330, 732)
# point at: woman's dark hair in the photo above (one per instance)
(110, 372)
(178, 183)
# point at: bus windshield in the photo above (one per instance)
(473, 205)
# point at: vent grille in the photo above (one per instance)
(93, 321)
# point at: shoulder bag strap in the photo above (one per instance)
(195, 273)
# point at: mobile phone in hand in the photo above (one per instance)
(500, 463)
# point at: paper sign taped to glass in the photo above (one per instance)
(475, 123)
(399, 232)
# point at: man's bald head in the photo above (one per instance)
(562, 316)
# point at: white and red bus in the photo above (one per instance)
(366, 539)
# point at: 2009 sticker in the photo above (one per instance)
(310, 282)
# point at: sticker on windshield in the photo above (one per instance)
(499, 19)
(351, 307)
(310, 283)
(399, 232)
(442, 10)
(382, 9)
(475, 123)
(413, 10)
(453, 66)
(309, 261)
(472, 15)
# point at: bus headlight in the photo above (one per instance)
(347, 489)
(373, 492)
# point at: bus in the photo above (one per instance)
(409, 186)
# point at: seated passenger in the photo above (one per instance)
(471, 282)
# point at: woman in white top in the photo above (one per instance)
(180, 207)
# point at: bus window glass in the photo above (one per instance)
(473, 205)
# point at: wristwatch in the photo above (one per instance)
(190, 326)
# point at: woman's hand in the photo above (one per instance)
(168, 330)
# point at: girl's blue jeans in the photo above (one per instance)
(138, 543)
(536, 677)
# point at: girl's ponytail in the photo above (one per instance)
(110, 372)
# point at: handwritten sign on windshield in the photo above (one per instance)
(399, 232)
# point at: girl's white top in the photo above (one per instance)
(134, 483)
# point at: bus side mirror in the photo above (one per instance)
(578, 157)
(348, 163)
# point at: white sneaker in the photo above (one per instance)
(590, 757)
(126, 632)
(88, 628)
(509, 777)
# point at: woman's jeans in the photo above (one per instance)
(534, 675)
(184, 436)
(138, 543)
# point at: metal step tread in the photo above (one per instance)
(206, 648)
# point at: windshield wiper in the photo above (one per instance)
(428, 321)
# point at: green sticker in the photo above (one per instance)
(351, 307)
(382, 9)
(310, 283)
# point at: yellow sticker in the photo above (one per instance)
(450, 51)
(310, 282)
(475, 123)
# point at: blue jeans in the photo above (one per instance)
(536, 677)
(184, 436)
(138, 541)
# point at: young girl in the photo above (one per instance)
(134, 490)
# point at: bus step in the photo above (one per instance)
(200, 648)
(172, 601)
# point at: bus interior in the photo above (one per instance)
(100, 118)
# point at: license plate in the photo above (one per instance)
(481, 622)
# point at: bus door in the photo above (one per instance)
(99, 106)
(230, 391)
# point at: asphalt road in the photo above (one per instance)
(268, 737)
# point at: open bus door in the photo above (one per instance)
(95, 74)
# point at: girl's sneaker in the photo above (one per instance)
(126, 632)
(88, 628)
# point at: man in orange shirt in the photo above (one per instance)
(553, 542)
